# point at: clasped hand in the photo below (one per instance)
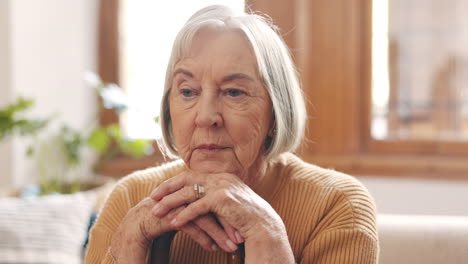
(228, 214)
(224, 217)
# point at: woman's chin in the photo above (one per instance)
(211, 167)
(219, 163)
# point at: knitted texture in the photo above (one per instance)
(329, 216)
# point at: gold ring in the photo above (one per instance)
(199, 190)
(195, 190)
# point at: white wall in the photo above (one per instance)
(416, 196)
(52, 43)
(5, 93)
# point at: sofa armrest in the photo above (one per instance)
(423, 239)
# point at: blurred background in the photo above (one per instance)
(386, 85)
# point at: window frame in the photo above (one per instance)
(108, 70)
(336, 76)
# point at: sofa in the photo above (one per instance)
(411, 239)
(48, 229)
(423, 239)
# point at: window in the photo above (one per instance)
(374, 108)
(147, 30)
(420, 70)
(348, 78)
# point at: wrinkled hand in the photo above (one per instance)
(233, 203)
(139, 228)
(212, 229)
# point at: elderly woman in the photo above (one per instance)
(233, 112)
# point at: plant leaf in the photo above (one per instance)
(10, 124)
(30, 151)
(21, 104)
(30, 126)
(99, 140)
(113, 130)
(135, 148)
(72, 142)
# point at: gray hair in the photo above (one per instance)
(275, 67)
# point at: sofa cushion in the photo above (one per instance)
(49, 229)
(422, 239)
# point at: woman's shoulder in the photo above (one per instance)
(333, 194)
(306, 173)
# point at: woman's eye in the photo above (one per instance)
(234, 92)
(187, 93)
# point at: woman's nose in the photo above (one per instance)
(209, 112)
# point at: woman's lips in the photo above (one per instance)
(210, 149)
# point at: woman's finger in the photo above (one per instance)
(199, 236)
(165, 221)
(191, 229)
(191, 212)
(169, 186)
(183, 196)
(209, 224)
(194, 231)
(233, 234)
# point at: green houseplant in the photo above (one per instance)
(11, 121)
(60, 154)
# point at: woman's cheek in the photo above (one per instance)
(248, 147)
(182, 142)
(183, 131)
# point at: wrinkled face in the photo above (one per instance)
(220, 110)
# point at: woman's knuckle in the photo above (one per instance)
(223, 196)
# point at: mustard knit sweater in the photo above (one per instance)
(329, 216)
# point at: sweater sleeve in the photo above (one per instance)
(101, 234)
(347, 233)
(342, 246)
(127, 193)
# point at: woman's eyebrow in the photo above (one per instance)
(182, 71)
(236, 76)
(227, 78)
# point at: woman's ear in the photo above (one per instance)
(270, 135)
(272, 130)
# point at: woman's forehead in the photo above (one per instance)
(220, 50)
